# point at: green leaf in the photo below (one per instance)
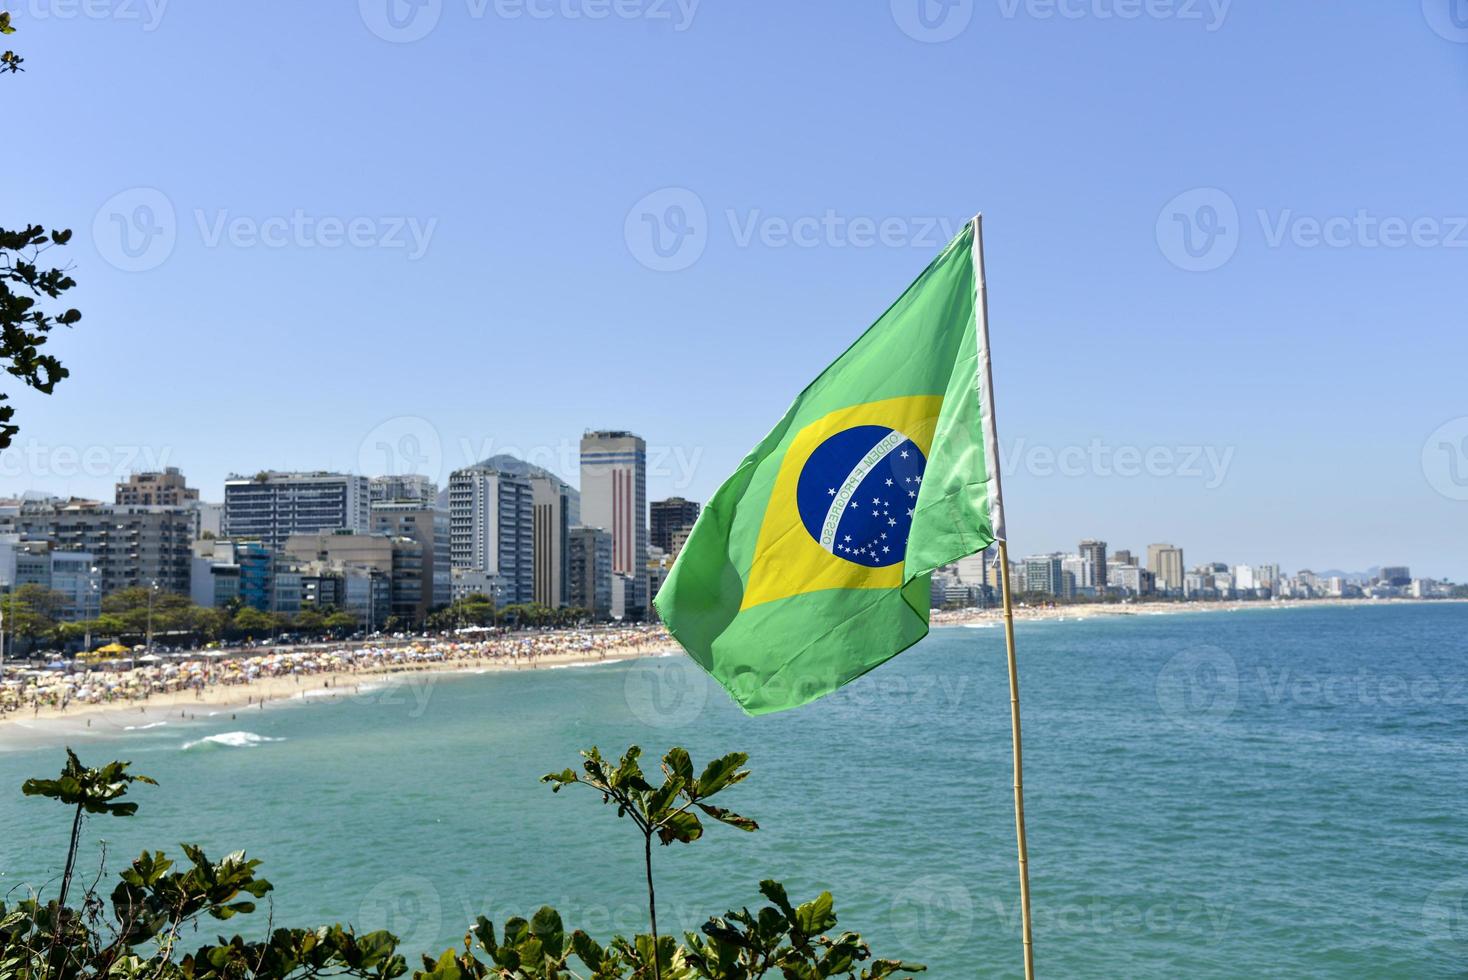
(547, 927)
(775, 892)
(662, 798)
(721, 774)
(679, 764)
(729, 817)
(588, 950)
(447, 968)
(560, 779)
(683, 827)
(817, 916)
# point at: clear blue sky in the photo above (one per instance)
(1317, 373)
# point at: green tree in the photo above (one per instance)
(309, 621)
(665, 811)
(471, 610)
(32, 612)
(24, 325)
(125, 613)
(90, 791)
(251, 620)
(340, 620)
(154, 905)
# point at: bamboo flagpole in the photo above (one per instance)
(985, 383)
(1019, 781)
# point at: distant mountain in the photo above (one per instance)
(1367, 576)
(506, 463)
(513, 465)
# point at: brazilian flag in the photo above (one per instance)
(811, 565)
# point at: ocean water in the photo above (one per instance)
(1261, 793)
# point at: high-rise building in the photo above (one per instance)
(155, 489)
(659, 565)
(1165, 562)
(975, 570)
(1130, 579)
(372, 558)
(131, 546)
(491, 530)
(668, 518)
(1093, 565)
(1043, 573)
(1223, 581)
(1254, 578)
(1398, 575)
(224, 570)
(24, 562)
(429, 527)
(407, 505)
(614, 497)
(1073, 567)
(1199, 584)
(72, 573)
(75, 575)
(557, 510)
(589, 571)
(210, 517)
(271, 507)
(403, 488)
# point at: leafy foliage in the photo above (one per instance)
(787, 938)
(478, 609)
(32, 612)
(664, 811)
(9, 60)
(24, 325)
(92, 790)
(135, 934)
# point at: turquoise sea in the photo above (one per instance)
(1260, 793)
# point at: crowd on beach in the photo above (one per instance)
(29, 691)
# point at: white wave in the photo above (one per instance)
(144, 728)
(234, 740)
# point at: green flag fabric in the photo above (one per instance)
(812, 563)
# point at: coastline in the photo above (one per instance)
(189, 704)
(1099, 610)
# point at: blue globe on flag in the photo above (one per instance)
(857, 492)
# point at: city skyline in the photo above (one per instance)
(411, 485)
(1056, 401)
(551, 311)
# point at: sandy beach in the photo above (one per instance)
(301, 674)
(370, 668)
